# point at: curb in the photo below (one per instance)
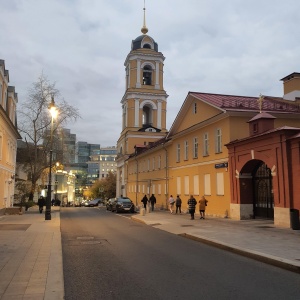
(268, 259)
(262, 257)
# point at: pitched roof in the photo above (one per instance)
(244, 103)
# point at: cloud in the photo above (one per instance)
(235, 47)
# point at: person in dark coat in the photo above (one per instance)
(192, 206)
(41, 203)
(178, 204)
(145, 200)
(152, 201)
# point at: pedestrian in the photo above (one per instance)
(145, 200)
(152, 201)
(41, 203)
(192, 206)
(178, 204)
(52, 202)
(171, 203)
(202, 206)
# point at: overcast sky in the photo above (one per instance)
(238, 47)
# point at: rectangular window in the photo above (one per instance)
(148, 164)
(195, 148)
(159, 189)
(159, 162)
(178, 185)
(220, 184)
(218, 140)
(186, 185)
(153, 189)
(196, 185)
(186, 150)
(153, 163)
(195, 108)
(178, 153)
(207, 187)
(205, 145)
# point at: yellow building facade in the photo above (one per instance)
(8, 138)
(191, 158)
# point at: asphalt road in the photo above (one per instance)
(109, 256)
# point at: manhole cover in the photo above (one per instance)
(20, 227)
(85, 238)
(90, 242)
(186, 225)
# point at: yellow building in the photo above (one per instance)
(190, 159)
(8, 138)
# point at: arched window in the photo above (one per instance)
(147, 75)
(147, 115)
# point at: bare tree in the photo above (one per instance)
(34, 124)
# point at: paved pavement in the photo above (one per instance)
(31, 264)
(31, 256)
(258, 239)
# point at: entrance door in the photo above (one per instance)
(263, 196)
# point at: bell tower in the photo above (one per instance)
(144, 104)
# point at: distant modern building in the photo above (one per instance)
(101, 164)
(8, 138)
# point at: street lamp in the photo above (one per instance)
(53, 112)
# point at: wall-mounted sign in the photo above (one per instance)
(221, 165)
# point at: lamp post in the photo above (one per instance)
(53, 113)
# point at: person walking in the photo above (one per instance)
(171, 203)
(192, 206)
(41, 203)
(178, 204)
(202, 206)
(145, 201)
(152, 201)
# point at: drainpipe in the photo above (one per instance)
(137, 179)
(167, 178)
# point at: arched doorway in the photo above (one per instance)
(263, 203)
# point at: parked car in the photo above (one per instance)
(93, 203)
(122, 204)
(109, 203)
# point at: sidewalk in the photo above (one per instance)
(31, 256)
(258, 239)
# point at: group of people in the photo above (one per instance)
(151, 200)
(192, 202)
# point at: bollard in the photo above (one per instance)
(142, 211)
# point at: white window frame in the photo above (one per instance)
(205, 144)
(196, 147)
(218, 140)
(178, 153)
(186, 150)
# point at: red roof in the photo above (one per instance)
(238, 103)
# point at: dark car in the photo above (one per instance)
(109, 203)
(122, 204)
(93, 203)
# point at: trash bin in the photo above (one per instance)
(294, 217)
